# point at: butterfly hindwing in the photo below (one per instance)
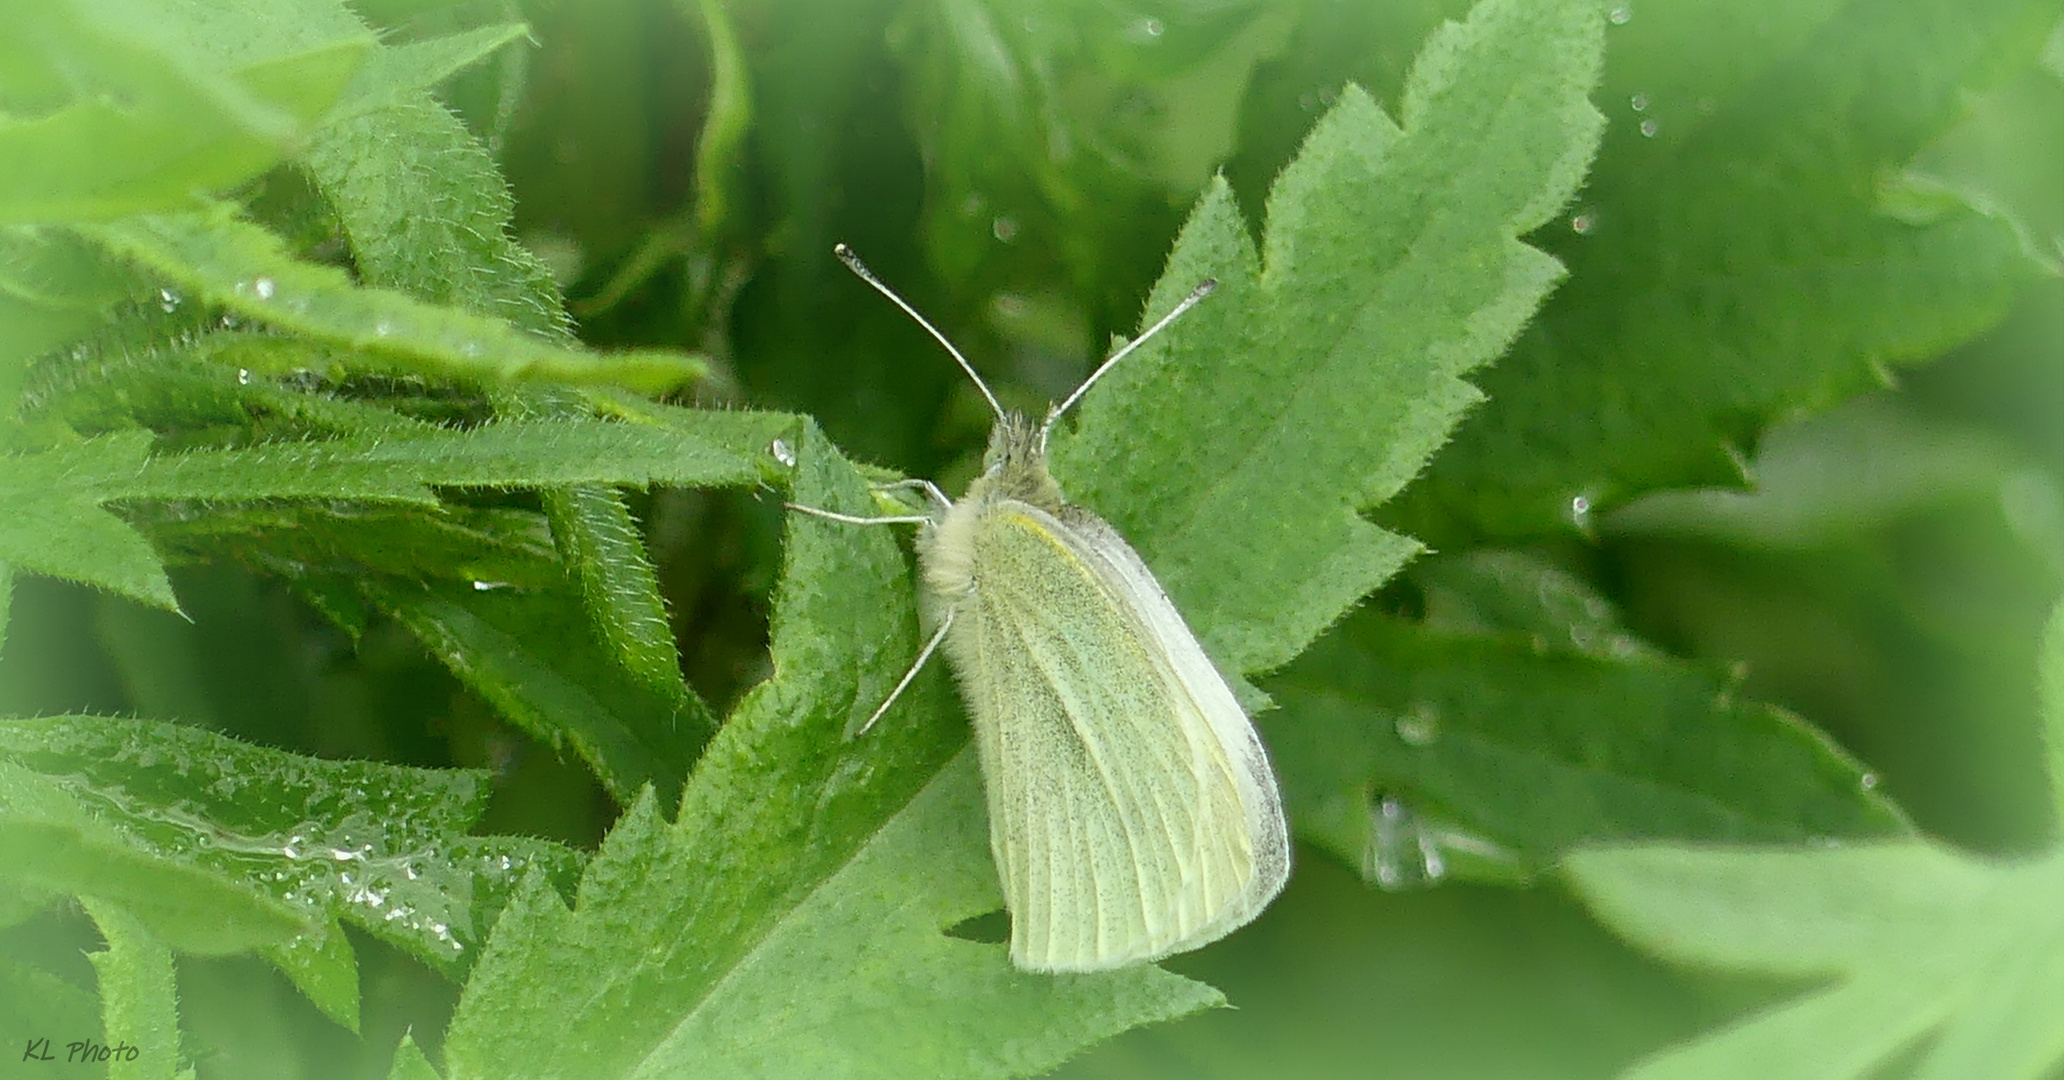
(1132, 810)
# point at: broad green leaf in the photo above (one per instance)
(1060, 136)
(2050, 688)
(53, 291)
(532, 654)
(499, 548)
(43, 1006)
(398, 73)
(129, 117)
(1519, 712)
(300, 841)
(52, 839)
(1235, 451)
(56, 524)
(1836, 474)
(1910, 940)
(409, 1062)
(232, 387)
(427, 213)
(324, 967)
(799, 858)
(6, 597)
(139, 1002)
(602, 545)
(2006, 158)
(1737, 257)
(246, 269)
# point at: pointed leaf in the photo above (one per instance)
(1919, 938)
(1741, 254)
(799, 858)
(146, 125)
(380, 846)
(139, 1002)
(1520, 711)
(247, 270)
(1340, 354)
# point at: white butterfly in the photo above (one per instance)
(1132, 810)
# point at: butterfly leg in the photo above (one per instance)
(916, 666)
(855, 519)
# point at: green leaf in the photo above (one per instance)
(1318, 380)
(2050, 687)
(131, 117)
(140, 1004)
(1522, 714)
(409, 1062)
(604, 548)
(799, 859)
(54, 841)
(1829, 476)
(247, 270)
(53, 291)
(1911, 940)
(1735, 260)
(215, 831)
(398, 73)
(38, 1002)
(426, 213)
(324, 967)
(532, 655)
(1065, 133)
(57, 526)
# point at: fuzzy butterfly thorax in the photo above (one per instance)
(1013, 470)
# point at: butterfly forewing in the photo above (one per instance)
(1132, 810)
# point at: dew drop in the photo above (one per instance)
(1004, 228)
(169, 301)
(1649, 129)
(1152, 27)
(1401, 853)
(243, 376)
(1639, 102)
(1583, 222)
(782, 452)
(262, 288)
(1619, 16)
(1580, 511)
(1419, 727)
(383, 328)
(1869, 781)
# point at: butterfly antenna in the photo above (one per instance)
(853, 263)
(1196, 296)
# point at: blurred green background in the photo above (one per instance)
(1017, 170)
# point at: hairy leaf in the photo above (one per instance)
(247, 270)
(128, 119)
(1236, 450)
(1519, 712)
(299, 842)
(799, 858)
(139, 1002)
(1736, 258)
(1911, 941)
